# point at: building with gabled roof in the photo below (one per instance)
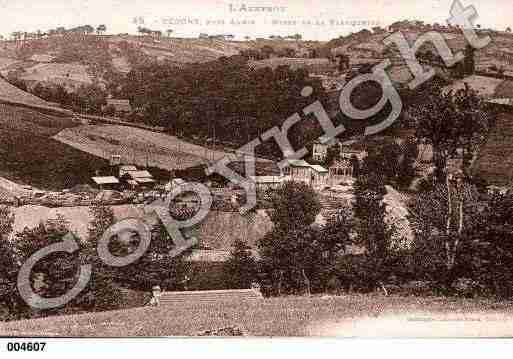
(106, 182)
(137, 178)
(301, 171)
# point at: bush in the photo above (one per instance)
(240, 271)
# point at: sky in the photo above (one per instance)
(315, 20)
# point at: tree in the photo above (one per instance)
(55, 274)
(89, 99)
(441, 219)
(88, 29)
(491, 247)
(372, 230)
(241, 269)
(450, 121)
(169, 32)
(11, 306)
(370, 212)
(180, 99)
(332, 154)
(469, 60)
(338, 232)
(343, 62)
(355, 162)
(102, 219)
(508, 29)
(295, 205)
(294, 254)
(267, 51)
(407, 170)
(101, 29)
(292, 261)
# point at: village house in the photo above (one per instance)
(138, 179)
(320, 151)
(351, 149)
(301, 171)
(106, 182)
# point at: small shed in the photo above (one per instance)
(106, 182)
(139, 179)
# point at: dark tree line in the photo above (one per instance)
(224, 97)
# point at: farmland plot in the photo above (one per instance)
(140, 147)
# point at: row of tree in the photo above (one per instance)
(59, 31)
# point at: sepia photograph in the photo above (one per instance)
(255, 169)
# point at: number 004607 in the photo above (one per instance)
(26, 346)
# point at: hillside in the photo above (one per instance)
(77, 59)
(29, 155)
(494, 162)
(9, 92)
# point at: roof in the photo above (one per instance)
(298, 163)
(128, 168)
(261, 168)
(139, 174)
(144, 180)
(325, 140)
(266, 179)
(341, 163)
(501, 101)
(105, 180)
(177, 182)
(318, 168)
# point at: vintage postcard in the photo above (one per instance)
(255, 169)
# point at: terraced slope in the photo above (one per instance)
(140, 147)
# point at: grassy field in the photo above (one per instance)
(54, 72)
(344, 316)
(504, 90)
(138, 146)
